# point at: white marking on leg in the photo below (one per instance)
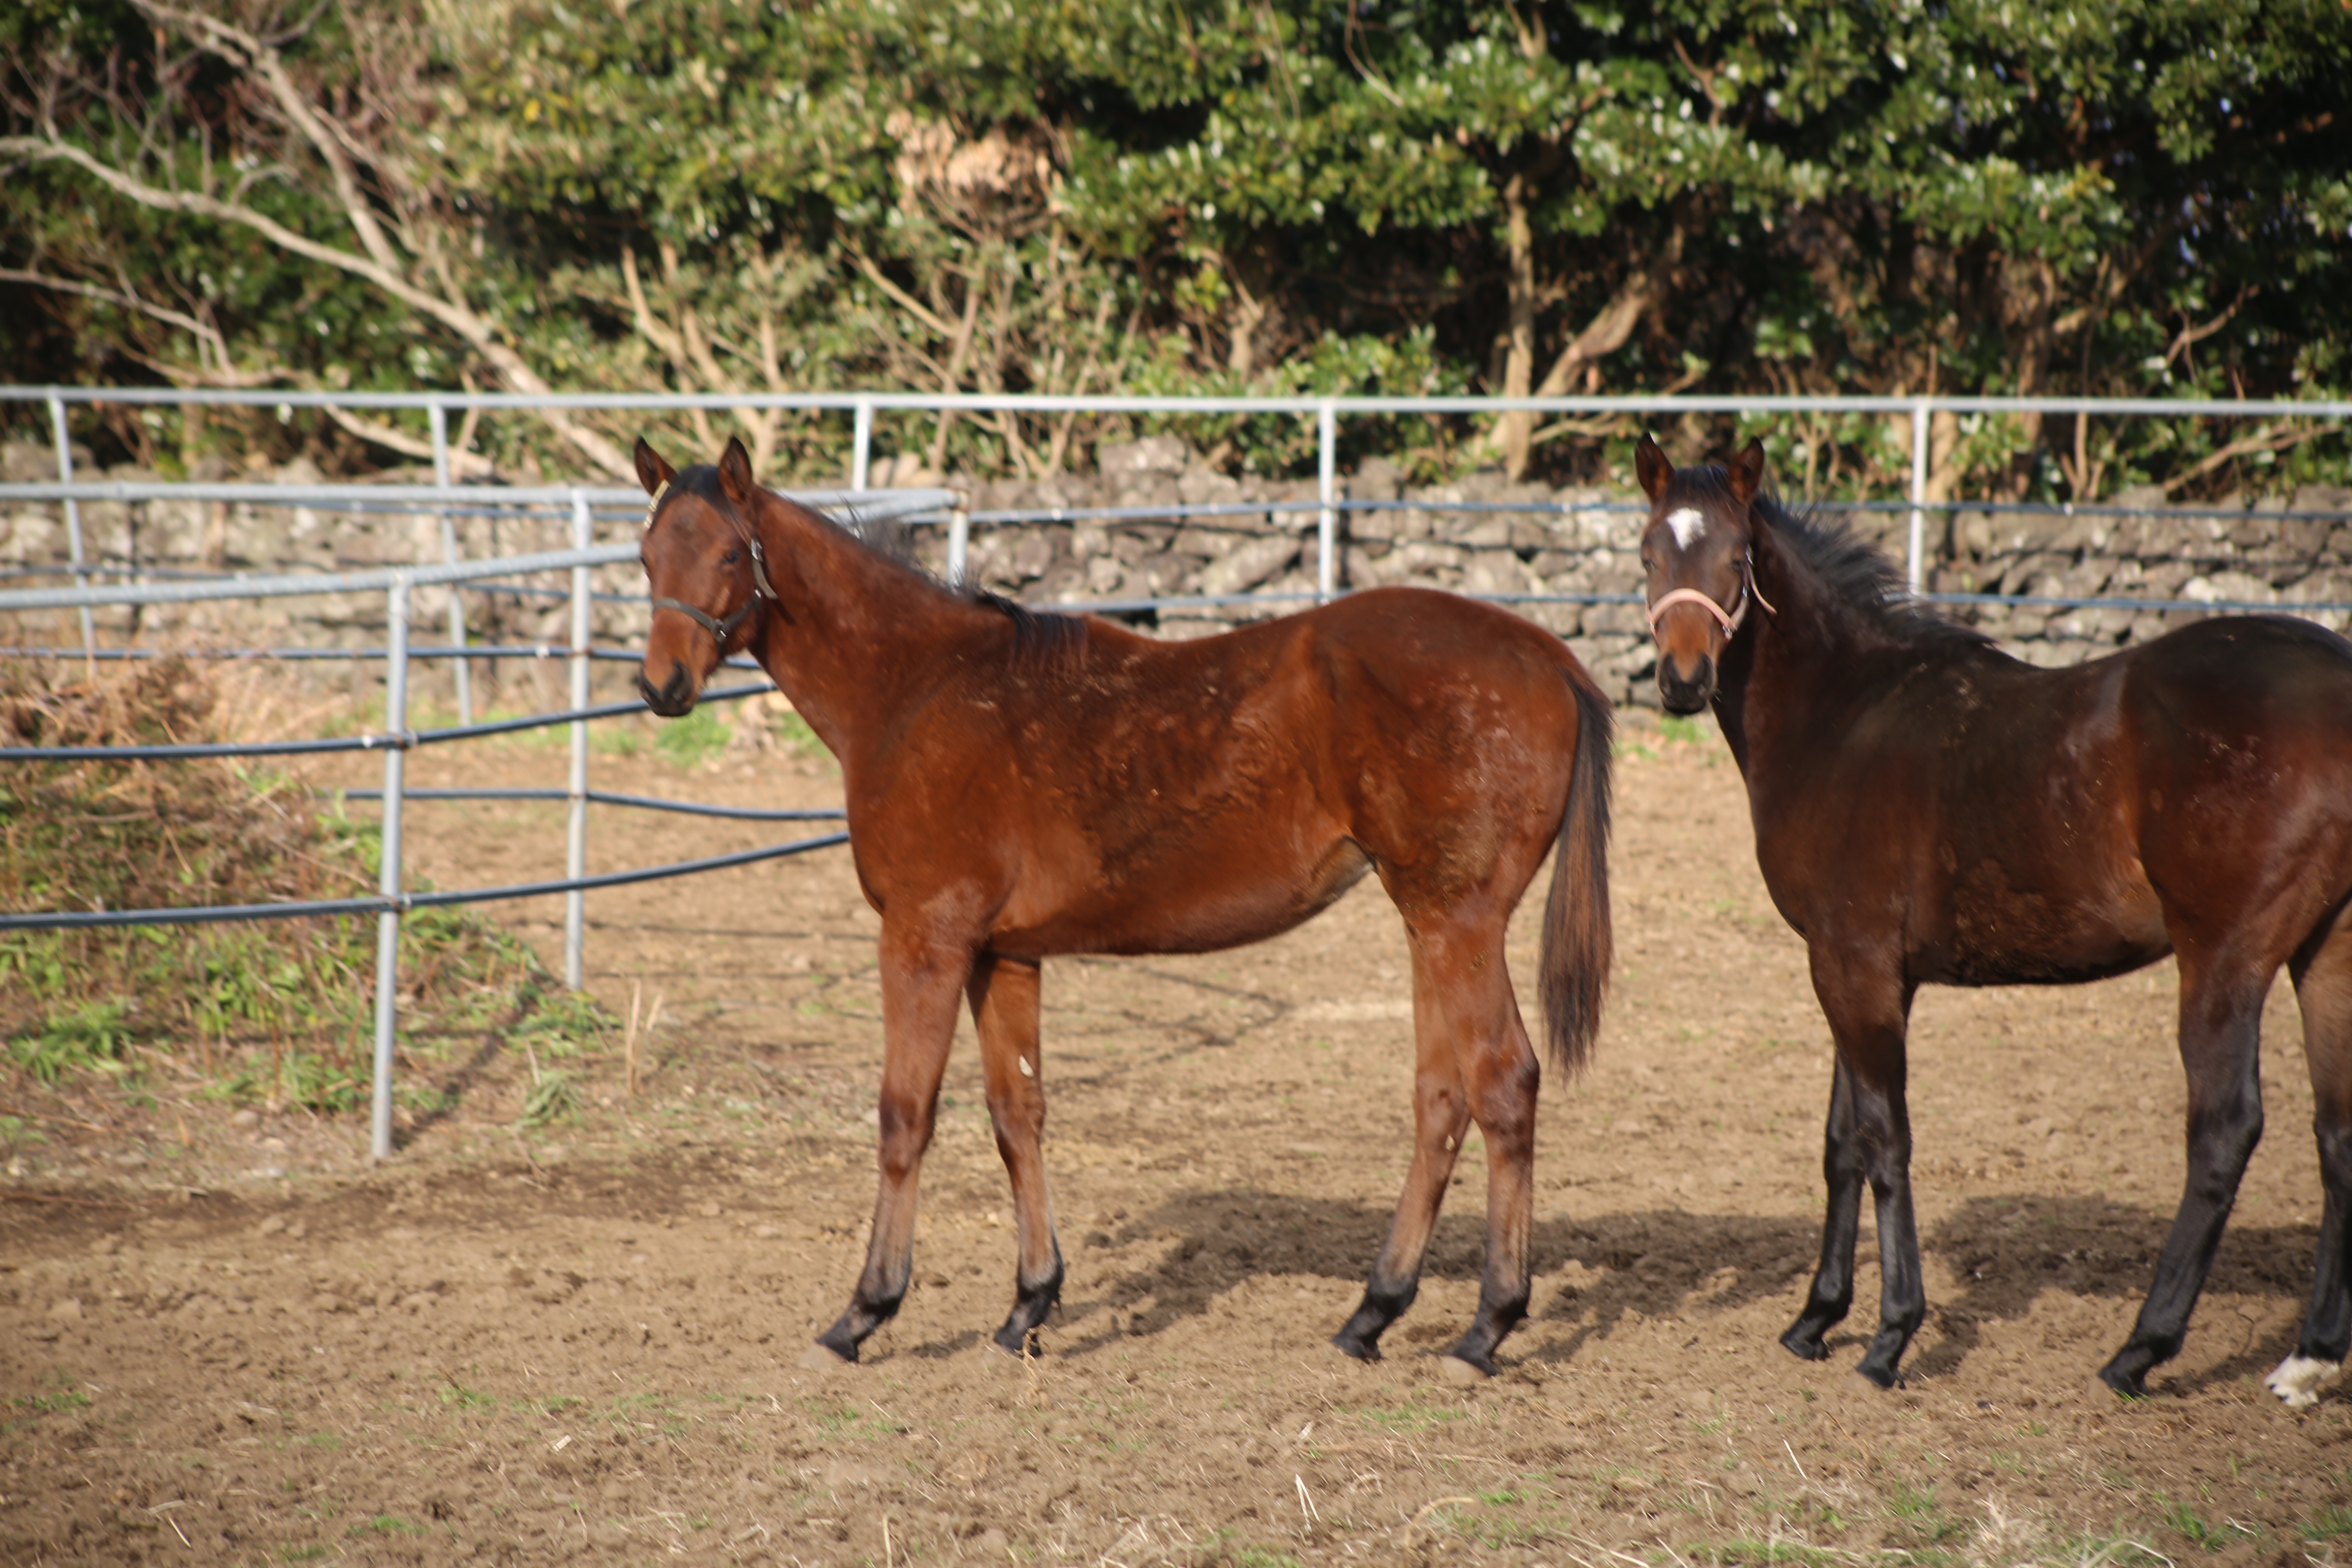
(1027, 1070)
(2298, 1379)
(1689, 525)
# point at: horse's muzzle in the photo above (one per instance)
(674, 698)
(1683, 693)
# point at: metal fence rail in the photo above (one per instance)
(395, 741)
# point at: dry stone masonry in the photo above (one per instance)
(2291, 551)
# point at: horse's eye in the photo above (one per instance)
(731, 557)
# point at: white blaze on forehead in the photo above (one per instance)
(1689, 525)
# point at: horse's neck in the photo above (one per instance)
(851, 634)
(1791, 654)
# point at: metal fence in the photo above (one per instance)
(1325, 412)
(393, 899)
(448, 501)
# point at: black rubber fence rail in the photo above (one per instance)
(208, 914)
(407, 741)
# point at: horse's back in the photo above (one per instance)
(1161, 796)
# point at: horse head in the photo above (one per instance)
(1697, 554)
(707, 571)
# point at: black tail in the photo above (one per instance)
(1577, 945)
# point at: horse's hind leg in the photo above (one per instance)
(1473, 1060)
(1005, 1003)
(919, 980)
(2323, 985)
(2221, 1036)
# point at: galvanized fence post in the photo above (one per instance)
(575, 858)
(959, 544)
(1918, 493)
(73, 522)
(1327, 520)
(387, 924)
(461, 676)
(861, 444)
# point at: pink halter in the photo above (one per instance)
(1728, 619)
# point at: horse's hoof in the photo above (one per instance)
(1355, 1349)
(2128, 1384)
(1804, 1346)
(823, 1357)
(1454, 1369)
(1881, 1377)
(2298, 1380)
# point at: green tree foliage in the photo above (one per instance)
(1819, 195)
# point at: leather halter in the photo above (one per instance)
(722, 631)
(1730, 619)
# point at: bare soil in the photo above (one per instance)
(233, 1340)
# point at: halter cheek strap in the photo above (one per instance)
(722, 631)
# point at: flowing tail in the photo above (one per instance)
(1577, 945)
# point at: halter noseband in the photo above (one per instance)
(1731, 619)
(722, 631)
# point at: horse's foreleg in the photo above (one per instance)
(1842, 1175)
(2323, 987)
(2220, 1042)
(920, 980)
(1441, 1113)
(1871, 1141)
(1005, 1003)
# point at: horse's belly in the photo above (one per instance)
(2005, 934)
(1198, 902)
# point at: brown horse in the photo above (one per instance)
(1928, 810)
(1021, 785)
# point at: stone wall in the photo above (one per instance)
(1582, 541)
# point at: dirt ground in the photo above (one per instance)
(229, 1339)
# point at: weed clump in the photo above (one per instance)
(279, 1011)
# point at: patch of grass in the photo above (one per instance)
(1407, 1417)
(87, 1038)
(2328, 1524)
(1747, 1550)
(2188, 1521)
(1683, 731)
(274, 1011)
(384, 1524)
(564, 1023)
(62, 1396)
(691, 741)
(554, 1097)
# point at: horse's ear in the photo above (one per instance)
(735, 472)
(1748, 473)
(653, 470)
(1650, 465)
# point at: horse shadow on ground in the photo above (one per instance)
(2007, 1251)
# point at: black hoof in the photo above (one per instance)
(1888, 1376)
(838, 1341)
(1356, 1347)
(1804, 1343)
(1016, 1340)
(2128, 1384)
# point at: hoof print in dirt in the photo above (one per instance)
(822, 1357)
(1454, 1369)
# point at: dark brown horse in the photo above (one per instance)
(1930, 811)
(1021, 785)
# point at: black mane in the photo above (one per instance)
(1857, 582)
